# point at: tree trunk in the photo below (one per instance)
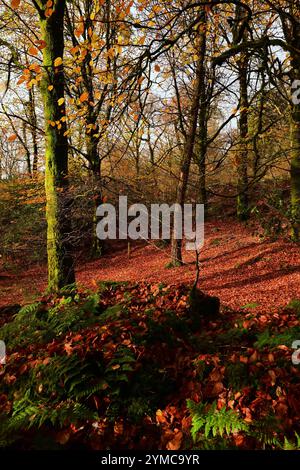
(295, 155)
(291, 29)
(92, 136)
(33, 129)
(176, 248)
(28, 161)
(60, 262)
(202, 115)
(95, 166)
(242, 157)
(202, 172)
(92, 140)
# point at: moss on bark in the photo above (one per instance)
(295, 156)
(60, 262)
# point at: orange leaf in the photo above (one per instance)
(68, 348)
(80, 30)
(48, 12)
(12, 138)
(21, 80)
(244, 359)
(33, 50)
(253, 357)
(175, 443)
(160, 417)
(84, 97)
(271, 357)
(217, 389)
(15, 4)
(42, 44)
(215, 376)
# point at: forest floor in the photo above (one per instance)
(236, 265)
(142, 366)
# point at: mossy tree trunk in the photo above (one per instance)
(295, 153)
(289, 16)
(60, 262)
(242, 155)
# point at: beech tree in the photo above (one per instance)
(103, 62)
(189, 146)
(287, 12)
(242, 159)
(60, 262)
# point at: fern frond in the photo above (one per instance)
(214, 422)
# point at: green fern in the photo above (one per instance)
(28, 309)
(69, 376)
(212, 421)
(292, 445)
(265, 431)
(27, 415)
(266, 339)
(35, 323)
(295, 305)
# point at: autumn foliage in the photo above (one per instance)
(129, 366)
(165, 102)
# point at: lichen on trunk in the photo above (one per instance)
(295, 156)
(60, 262)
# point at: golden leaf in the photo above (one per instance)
(58, 61)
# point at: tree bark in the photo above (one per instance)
(202, 115)
(295, 155)
(242, 156)
(33, 130)
(60, 261)
(176, 247)
(92, 139)
(28, 161)
(95, 166)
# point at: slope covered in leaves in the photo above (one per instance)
(133, 366)
(235, 265)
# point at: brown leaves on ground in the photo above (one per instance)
(236, 374)
(236, 266)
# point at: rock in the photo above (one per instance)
(203, 305)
